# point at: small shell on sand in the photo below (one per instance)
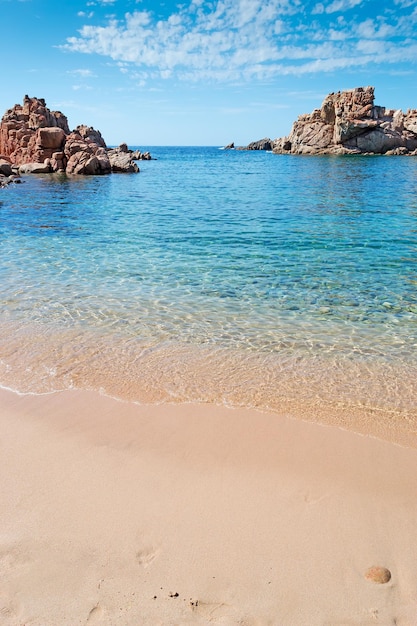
(376, 574)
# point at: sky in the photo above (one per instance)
(202, 72)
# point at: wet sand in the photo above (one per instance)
(117, 513)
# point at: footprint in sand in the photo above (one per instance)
(95, 614)
(310, 498)
(147, 556)
(13, 556)
(208, 609)
(222, 614)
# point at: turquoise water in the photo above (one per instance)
(236, 277)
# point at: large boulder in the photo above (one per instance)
(91, 134)
(50, 137)
(58, 161)
(36, 168)
(410, 121)
(5, 168)
(83, 163)
(349, 122)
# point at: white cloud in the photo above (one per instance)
(370, 46)
(336, 6)
(341, 5)
(82, 73)
(98, 2)
(234, 40)
(371, 30)
(405, 4)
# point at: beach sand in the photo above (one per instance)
(116, 513)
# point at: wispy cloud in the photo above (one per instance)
(336, 6)
(98, 2)
(405, 4)
(82, 73)
(235, 40)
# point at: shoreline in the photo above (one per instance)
(372, 397)
(117, 512)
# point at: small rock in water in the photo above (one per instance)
(387, 305)
(379, 575)
(324, 309)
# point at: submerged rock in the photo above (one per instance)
(37, 140)
(8, 180)
(348, 122)
(8, 174)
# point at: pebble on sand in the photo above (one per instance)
(376, 574)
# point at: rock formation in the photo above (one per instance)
(34, 139)
(348, 122)
(262, 144)
(122, 159)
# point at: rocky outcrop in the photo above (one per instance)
(31, 132)
(137, 155)
(348, 122)
(121, 159)
(37, 140)
(262, 144)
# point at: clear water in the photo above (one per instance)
(246, 278)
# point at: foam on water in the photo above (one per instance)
(246, 278)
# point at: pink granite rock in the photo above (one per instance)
(349, 122)
(52, 138)
(32, 135)
(122, 161)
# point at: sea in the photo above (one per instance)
(278, 282)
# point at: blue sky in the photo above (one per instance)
(201, 72)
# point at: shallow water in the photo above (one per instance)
(232, 277)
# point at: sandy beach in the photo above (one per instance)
(116, 513)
